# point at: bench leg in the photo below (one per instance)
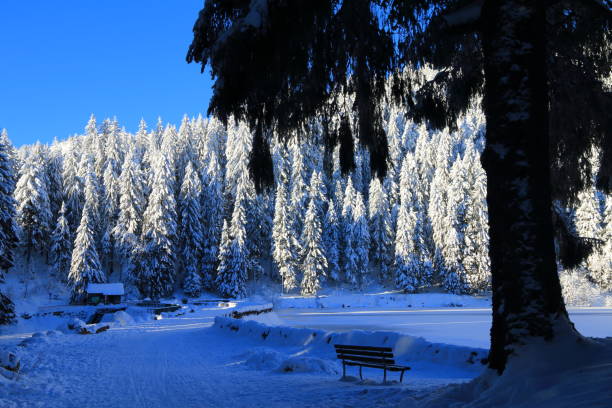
(402, 376)
(385, 376)
(360, 375)
(343, 369)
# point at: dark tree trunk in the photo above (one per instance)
(527, 299)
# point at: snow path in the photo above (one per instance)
(180, 362)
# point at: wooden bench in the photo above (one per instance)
(366, 356)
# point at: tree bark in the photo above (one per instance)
(527, 299)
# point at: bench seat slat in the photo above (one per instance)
(382, 361)
(380, 354)
(364, 348)
(389, 367)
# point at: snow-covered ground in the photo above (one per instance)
(185, 362)
(281, 359)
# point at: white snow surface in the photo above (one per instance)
(205, 359)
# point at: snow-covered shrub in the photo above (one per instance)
(577, 290)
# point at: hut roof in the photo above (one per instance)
(108, 289)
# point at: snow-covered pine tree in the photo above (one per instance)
(191, 237)
(85, 266)
(98, 145)
(258, 227)
(318, 192)
(476, 235)
(8, 235)
(411, 196)
(53, 168)
(73, 188)
(258, 224)
(33, 212)
(110, 175)
(157, 264)
(224, 249)
(588, 215)
(233, 270)
(381, 233)
(361, 241)
(61, 246)
(407, 263)
(607, 220)
(285, 244)
(362, 173)
(349, 256)
(454, 245)
(590, 223)
(185, 150)
(331, 241)
(11, 153)
(212, 219)
(424, 164)
(237, 151)
(141, 141)
(605, 278)
(169, 148)
(298, 191)
(91, 132)
(314, 263)
(440, 221)
(86, 164)
(131, 207)
(110, 213)
(217, 139)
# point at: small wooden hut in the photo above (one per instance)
(105, 293)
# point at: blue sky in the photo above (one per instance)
(61, 61)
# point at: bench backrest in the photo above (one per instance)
(365, 354)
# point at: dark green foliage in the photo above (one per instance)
(7, 310)
(579, 54)
(293, 64)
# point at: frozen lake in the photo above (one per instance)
(461, 326)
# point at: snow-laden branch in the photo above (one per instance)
(471, 12)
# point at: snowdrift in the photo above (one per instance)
(570, 372)
(407, 349)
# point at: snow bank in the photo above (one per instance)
(264, 358)
(407, 349)
(39, 338)
(570, 372)
(307, 365)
